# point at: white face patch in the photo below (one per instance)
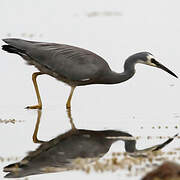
(149, 57)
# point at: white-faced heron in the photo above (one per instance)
(73, 65)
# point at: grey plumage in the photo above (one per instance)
(74, 66)
(62, 61)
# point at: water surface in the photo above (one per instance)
(146, 106)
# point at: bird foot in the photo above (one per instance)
(34, 107)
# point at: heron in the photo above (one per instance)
(73, 65)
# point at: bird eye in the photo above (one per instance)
(153, 61)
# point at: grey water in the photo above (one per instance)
(145, 106)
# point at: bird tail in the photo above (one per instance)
(12, 49)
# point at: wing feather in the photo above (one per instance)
(67, 61)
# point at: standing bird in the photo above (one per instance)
(73, 65)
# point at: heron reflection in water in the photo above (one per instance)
(60, 153)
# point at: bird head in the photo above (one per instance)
(149, 59)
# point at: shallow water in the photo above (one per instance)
(146, 106)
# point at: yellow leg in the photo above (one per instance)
(68, 108)
(73, 127)
(35, 139)
(68, 104)
(39, 106)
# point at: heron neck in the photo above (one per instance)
(129, 71)
(116, 78)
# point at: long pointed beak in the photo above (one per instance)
(159, 65)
